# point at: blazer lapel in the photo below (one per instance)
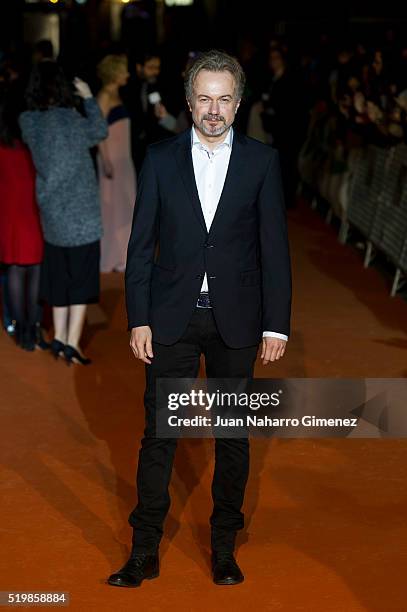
(186, 167)
(231, 186)
(235, 171)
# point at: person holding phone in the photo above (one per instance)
(59, 138)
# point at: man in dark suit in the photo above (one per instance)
(146, 96)
(212, 200)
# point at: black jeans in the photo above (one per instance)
(156, 455)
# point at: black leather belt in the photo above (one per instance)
(203, 301)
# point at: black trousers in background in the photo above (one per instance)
(156, 455)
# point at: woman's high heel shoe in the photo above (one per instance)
(73, 356)
(57, 348)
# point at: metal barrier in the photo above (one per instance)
(365, 187)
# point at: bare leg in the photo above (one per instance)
(60, 317)
(77, 313)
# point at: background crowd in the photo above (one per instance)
(71, 149)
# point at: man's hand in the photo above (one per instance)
(272, 349)
(141, 343)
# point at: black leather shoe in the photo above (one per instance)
(225, 570)
(138, 567)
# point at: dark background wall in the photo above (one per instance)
(241, 28)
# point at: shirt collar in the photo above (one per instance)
(227, 142)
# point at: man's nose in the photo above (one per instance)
(214, 108)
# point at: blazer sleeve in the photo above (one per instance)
(274, 250)
(141, 247)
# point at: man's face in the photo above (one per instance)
(276, 61)
(213, 104)
(150, 70)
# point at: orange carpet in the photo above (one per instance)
(326, 519)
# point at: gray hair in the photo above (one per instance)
(215, 61)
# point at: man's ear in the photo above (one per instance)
(189, 105)
(237, 104)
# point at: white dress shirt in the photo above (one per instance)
(210, 168)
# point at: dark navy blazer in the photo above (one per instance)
(245, 253)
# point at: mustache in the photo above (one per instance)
(212, 117)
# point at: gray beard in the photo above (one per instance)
(217, 131)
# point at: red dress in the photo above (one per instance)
(21, 240)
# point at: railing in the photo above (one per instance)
(366, 187)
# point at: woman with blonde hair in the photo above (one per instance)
(117, 175)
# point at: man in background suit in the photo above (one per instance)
(145, 95)
(212, 199)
